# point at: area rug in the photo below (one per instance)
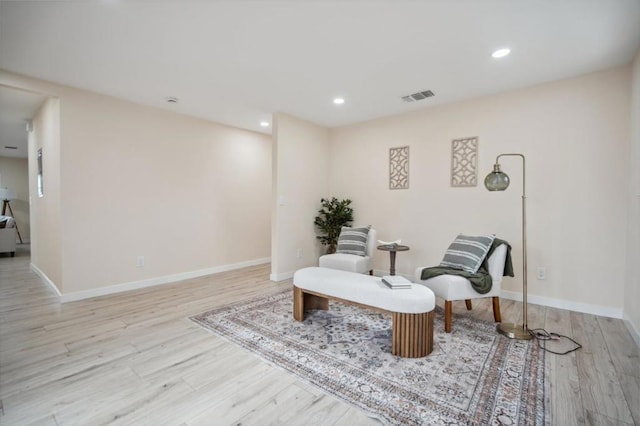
(473, 376)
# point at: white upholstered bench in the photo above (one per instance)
(412, 309)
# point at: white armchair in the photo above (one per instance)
(352, 262)
(8, 241)
(452, 288)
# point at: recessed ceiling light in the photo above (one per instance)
(171, 100)
(501, 53)
(264, 123)
(338, 101)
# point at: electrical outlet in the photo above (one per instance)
(139, 261)
(299, 253)
(542, 272)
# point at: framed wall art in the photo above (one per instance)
(464, 162)
(399, 168)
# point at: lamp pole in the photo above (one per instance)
(499, 181)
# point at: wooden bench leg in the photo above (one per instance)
(412, 335)
(448, 308)
(496, 309)
(298, 304)
(302, 301)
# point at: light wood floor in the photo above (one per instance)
(135, 358)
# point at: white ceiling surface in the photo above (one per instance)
(237, 62)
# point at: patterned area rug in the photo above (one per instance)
(473, 376)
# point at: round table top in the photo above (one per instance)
(393, 247)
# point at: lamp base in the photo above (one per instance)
(514, 331)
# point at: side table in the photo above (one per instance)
(393, 249)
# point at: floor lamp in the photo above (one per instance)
(499, 181)
(6, 195)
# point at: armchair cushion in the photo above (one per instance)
(8, 240)
(353, 241)
(467, 253)
(496, 265)
(347, 262)
(352, 262)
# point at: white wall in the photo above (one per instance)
(575, 135)
(46, 225)
(300, 180)
(188, 195)
(632, 288)
(14, 174)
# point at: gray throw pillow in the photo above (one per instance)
(467, 253)
(353, 241)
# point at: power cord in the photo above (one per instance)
(543, 336)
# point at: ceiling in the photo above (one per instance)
(237, 62)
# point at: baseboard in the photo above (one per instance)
(281, 277)
(167, 279)
(586, 308)
(45, 278)
(635, 334)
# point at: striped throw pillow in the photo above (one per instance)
(353, 241)
(467, 253)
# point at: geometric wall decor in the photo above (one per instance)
(464, 162)
(399, 168)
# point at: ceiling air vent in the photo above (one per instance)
(418, 96)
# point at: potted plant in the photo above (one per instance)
(333, 215)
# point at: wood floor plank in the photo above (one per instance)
(53, 396)
(599, 384)
(59, 368)
(225, 364)
(152, 410)
(631, 389)
(278, 410)
(624, 353)
(324, 410)
(241, 397)
(564, 383)
(45, 421)
(597, 419)
(625, 356)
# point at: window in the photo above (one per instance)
(40, 184)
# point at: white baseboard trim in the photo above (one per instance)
(586, 308)
(281, 276)
(167, 279)
(45, 278)
(635, 333)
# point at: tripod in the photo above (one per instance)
(5, 204)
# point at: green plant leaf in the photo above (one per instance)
(332, 216)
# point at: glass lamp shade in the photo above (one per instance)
(496, 180)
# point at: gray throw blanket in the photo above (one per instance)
(481, 280)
